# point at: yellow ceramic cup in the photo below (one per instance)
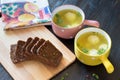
(93, 60)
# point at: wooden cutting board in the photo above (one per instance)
(31, 70)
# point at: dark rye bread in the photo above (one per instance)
(35, 49)
(16, 51)
(13, 54)
(49, 54)
(30, 46)
(29, 40)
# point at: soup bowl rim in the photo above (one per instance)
(108, 40)
(67, 5)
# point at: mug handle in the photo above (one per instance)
(91, 23)
(109, 67)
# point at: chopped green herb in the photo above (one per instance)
(57, 15)
(64, 77)
(95, 76)
(59, 21)
(84, 50)
(100, 51)
(78, 14)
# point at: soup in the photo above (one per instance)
(68, 18)
(92, 43)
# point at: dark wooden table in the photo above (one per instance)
(107, 12)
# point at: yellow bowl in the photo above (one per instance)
(94, 60)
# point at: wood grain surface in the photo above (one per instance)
(31, 70)
(107, 12)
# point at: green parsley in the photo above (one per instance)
(95, 76)
(100, 51)
(64, 77)
(85, 50)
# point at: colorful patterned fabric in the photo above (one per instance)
(26, 12)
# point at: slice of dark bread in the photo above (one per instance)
(26, 53)
(30, 46)
(35, 49)
(13, 54)
(49, 54)
(17, 51)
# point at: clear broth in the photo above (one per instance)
(68, 18)
(92, 43)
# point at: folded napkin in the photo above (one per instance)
(18, 14)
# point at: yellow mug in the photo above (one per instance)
(93, 60)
